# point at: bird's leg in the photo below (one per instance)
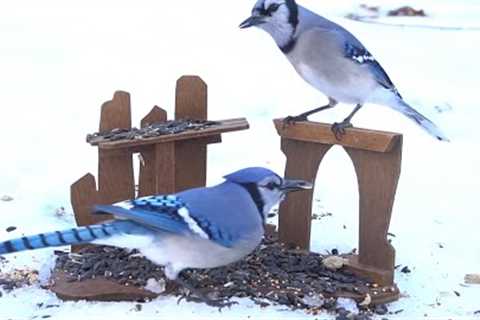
(200, 296)
(338, 128)
(304, 116)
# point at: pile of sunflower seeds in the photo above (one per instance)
(272, 275)
(153, 130)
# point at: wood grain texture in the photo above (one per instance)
(303, 160)
(165, 168)
(115, 167)
(357, 138)
(116, 113)
(148, 178)
(112, 185)
(191, 164)
(99, 289)
(83, 195)
(378, 175)
(191, 98)
(380, 276)
(115, 175)
(157, 114)
(190, 155)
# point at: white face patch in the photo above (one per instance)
(281, 14)
(276, 22)
(268, 3)
(192, 224)
(270, 193)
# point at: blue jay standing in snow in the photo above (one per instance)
(332, 60)
(196, 228)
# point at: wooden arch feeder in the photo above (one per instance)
(170, 163)
(376, 156)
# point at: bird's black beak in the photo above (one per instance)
(290, 185)
(252, 21)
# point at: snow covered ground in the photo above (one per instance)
(60, 60)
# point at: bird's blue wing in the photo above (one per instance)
(167, 213)
(156, 212)
(354, 50)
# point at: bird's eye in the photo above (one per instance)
(272, 8)
(271, 185)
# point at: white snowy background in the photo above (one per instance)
(59, 61)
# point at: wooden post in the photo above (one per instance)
(149, 182)
(376, 157)
(112, 186)
(377, 175)
(295, 218)
(191, 155)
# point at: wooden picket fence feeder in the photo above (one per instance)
(170, 163)
(376, 156)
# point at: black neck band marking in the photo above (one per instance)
(287, 48)
(293, 9)
(256, 197)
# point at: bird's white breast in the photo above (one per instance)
(341, 92)
(178, 252)
(318, 58)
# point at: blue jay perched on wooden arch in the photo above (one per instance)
(332, 60)
(197, 228)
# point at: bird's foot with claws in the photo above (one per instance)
(292, 119)
(338, 128)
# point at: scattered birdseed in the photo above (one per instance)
(18, 279)
(272, 274)
(153, 130)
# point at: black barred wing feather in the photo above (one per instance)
(167, 213)
(360, 55)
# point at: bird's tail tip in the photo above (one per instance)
(421, 120)
(431, 128)
(443, 138)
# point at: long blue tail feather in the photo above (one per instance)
(79, 235)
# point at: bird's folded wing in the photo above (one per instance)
(354, 50)
(165, 213)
